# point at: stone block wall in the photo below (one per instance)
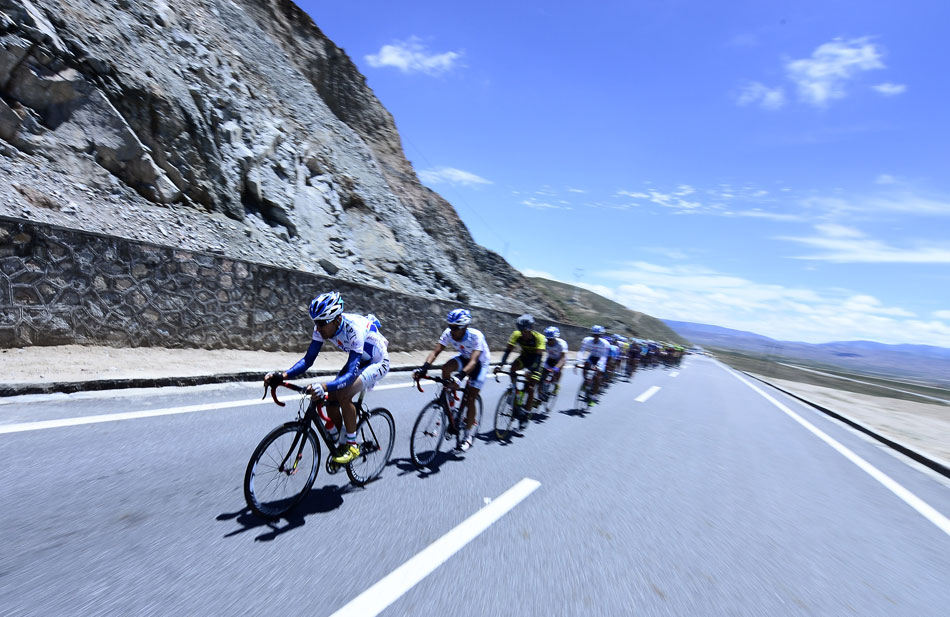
(60, 286)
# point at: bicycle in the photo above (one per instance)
(548, 390)
(441, 418)
(585, 396)
(511, 407)
(285, 463)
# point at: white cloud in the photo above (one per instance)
(840, 244)
(634, 194)
(450, 175)
(573, 190)
(942, 315)
(823, 76)
(700, 294)
(755, 93)
(411, 56)
(889, 89)
(885, 179)
(531, 202)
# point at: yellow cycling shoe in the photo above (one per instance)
(346, 457)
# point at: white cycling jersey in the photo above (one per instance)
(473, 340)
(358, 333)
(594, 349)
(614, 351)
(556, 350)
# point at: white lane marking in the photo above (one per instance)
(375, 599)
(674, 374)
(915, 502)
(149, 413)
(643, 398)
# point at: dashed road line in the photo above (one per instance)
(643, 398)
(674, 374)
(378, 597)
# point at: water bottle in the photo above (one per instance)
(520, 398)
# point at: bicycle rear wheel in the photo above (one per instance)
(427, 434)
(505, 414)
(375, 435)
(282, 469)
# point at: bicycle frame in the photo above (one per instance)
(314, 416)
(456, 415)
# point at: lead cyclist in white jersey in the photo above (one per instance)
(367, 362)
(597, 350)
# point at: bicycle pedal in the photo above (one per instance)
(332, 468)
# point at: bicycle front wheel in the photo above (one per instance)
(427, 434)
(281, 470)
(580, 402)
(505, 414)
(375, 435)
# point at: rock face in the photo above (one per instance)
(233, 126)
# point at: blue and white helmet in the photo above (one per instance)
(326, 306)
(552, 332)
(597, 330)
(459, 317)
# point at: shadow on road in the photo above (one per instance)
(577, 413)
(317, 501)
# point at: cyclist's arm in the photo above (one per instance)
(305, 362)
(435, 353)
(348, 374)
(504, 357)
(563, 358)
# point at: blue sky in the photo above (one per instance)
(779, 167)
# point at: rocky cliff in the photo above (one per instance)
(231, 126)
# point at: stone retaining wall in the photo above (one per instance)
(60, 286)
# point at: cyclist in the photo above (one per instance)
(557, 356)
(613, 357)
(366, 364)
(532, 347)
(596, 349)
(472, 361)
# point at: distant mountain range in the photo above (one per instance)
(915, 361)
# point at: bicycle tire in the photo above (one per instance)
(428, 431)
(551, 398)
(580, 401)
(375, 446)
(504, 414)
(256, 494)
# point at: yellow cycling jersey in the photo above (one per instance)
(530, 344)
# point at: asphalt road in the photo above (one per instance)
(705, 499)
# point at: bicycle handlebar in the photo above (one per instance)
(447, 383)
(273, 391)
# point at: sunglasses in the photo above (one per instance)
(455, 327)
(320, 323)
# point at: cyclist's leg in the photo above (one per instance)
(452, 366)
(533, 364)
(475, 383)
(345, 398)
